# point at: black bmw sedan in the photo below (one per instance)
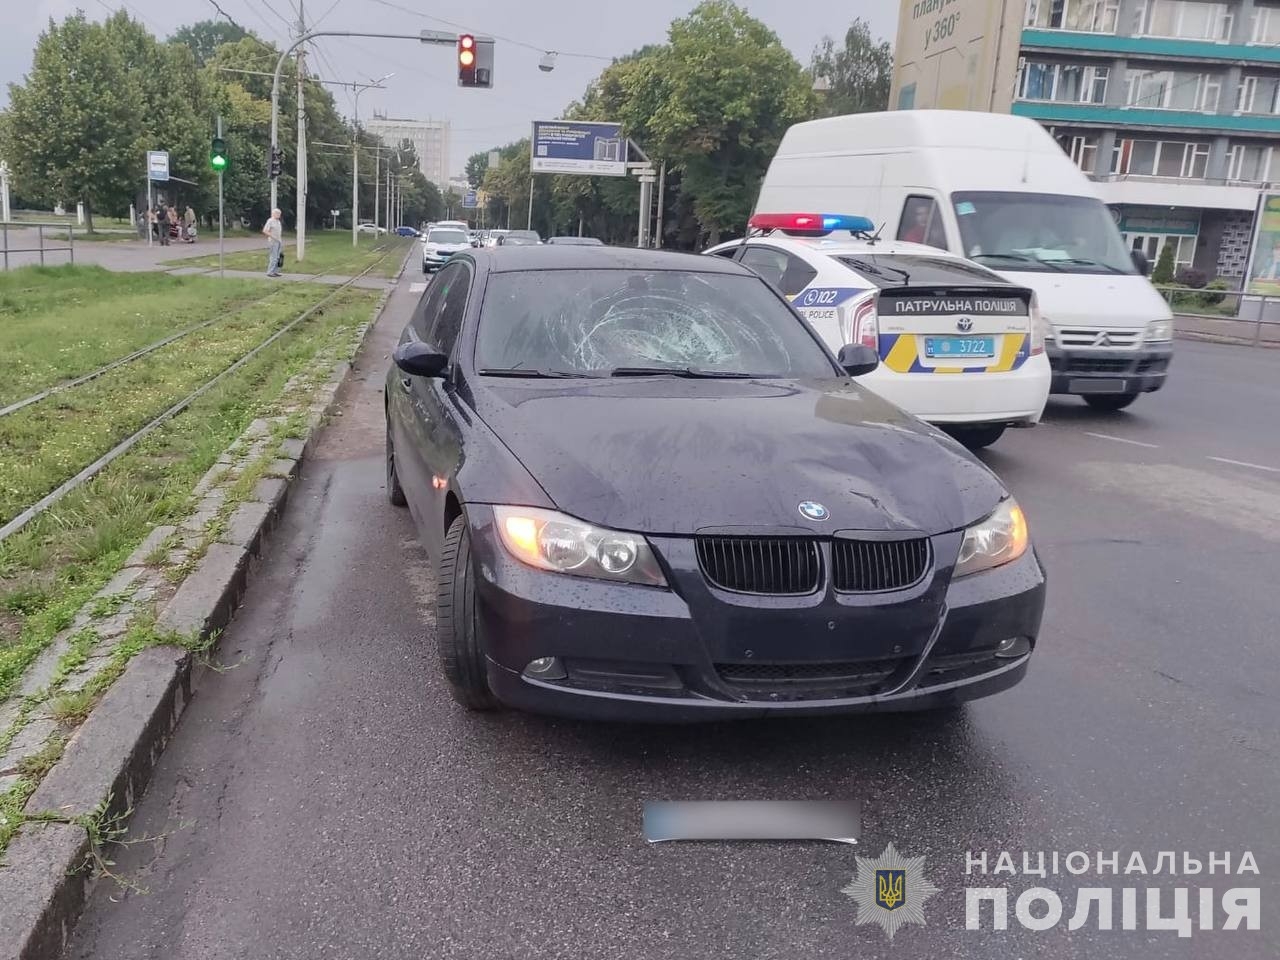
(648, 491)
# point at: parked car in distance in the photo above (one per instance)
(494, 236)
(576, 241)
(406, 231)
(368, 226)
(520, 238)
(579, 435)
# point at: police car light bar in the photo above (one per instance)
(810, 223)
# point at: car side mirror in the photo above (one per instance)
(1140, 262)
(857, 359)
(419, 359)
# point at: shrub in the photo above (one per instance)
(1191, 277)
(1162, 275)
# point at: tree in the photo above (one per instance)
(72, 127)
(719, 97)
(859, 73)
(204, 38)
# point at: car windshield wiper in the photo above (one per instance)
(1085, 262)
(529, 372)
(694, 372)
(1023, 258)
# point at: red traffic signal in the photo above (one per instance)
(466, 58)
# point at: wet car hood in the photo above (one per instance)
(671, 456)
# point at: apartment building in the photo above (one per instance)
(430, 140)
(1173, 106)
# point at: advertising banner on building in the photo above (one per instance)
(1264, 270)
(956, 55)
(570, 146)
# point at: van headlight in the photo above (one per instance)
(1158, 330)
(999, 539)
(553, 541)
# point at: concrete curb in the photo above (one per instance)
(109, 760)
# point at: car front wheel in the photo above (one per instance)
(461, 657)
(1110, 401)
(395, 492)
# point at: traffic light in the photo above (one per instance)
(466, 60)
(475, 61)
(277, 162)
(218, 155)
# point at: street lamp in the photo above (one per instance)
(355, 155)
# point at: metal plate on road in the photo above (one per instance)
(981, 347)
(1098, 386)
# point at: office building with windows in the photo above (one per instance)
(430, 139)
(1172, 106)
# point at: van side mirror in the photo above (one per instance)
(857, 359)
(1141, 263)
(419, 359)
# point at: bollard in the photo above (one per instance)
(40, 241)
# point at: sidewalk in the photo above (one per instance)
(125, 255)
(1226, 329)
(333, 279)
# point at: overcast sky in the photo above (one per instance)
(424, 85)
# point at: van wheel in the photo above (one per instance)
(1110, 401)
(461, 658)
(975, 438)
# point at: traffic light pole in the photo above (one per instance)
(425, 36)
(220, 270)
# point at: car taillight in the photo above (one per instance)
(1038, 328)
(865, 328)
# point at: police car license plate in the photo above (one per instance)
(948, 347)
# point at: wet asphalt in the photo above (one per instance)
(324, 797)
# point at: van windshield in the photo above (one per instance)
(1040, 232)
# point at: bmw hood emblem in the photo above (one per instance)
(812, 510)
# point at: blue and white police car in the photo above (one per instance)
(959, 346)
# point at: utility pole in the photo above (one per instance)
(220, 218)
(300, 225)
(377, 183)
(662, 189)
(359, 88)
(529, 224)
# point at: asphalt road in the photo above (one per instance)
(325, 798)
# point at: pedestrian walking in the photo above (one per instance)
(189, 225)
(162, 226)
(172, 217)
(273, 230)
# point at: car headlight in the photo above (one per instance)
(1160, 330)
(1000, 538)
(562, 544)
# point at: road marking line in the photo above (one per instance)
(1136, 443)
(1244, 463)
(417, 287)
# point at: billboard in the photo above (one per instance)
(1264, 266)
(571, 146)
(956, 55)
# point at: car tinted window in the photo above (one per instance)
(590, 321)
(457, 281)
(446, 236)
(888, 270)
(424, 314)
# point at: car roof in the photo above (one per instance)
(835, 246)
(510, 259)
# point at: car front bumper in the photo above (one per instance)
(677, 655)
(1085, 371)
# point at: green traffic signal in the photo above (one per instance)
(218, 155)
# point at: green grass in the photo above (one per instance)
(61, 322)
(328, 251)
(57, 562)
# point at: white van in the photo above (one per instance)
(997, 189)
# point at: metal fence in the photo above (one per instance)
(48, 241)
(1252, 311)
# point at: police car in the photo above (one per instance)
(959, 346)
